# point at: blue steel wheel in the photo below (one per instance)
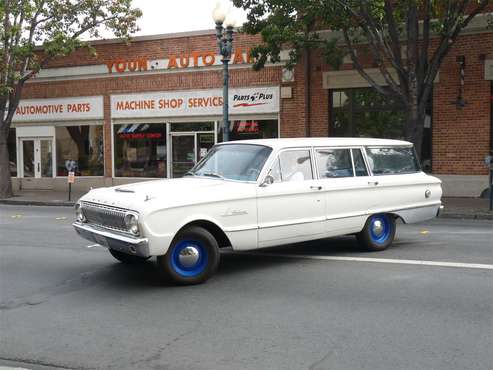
(192, 257)
(378, 233)
(189, 258)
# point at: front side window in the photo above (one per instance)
(241, 162)
(293, 165)
(83, 145)
(334, 163)
(392, 160)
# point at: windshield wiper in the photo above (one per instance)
(213, 174)
(189, 173)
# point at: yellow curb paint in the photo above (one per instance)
(424, 232)
(61, 218)
(16, 216)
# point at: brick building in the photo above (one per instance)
(152, 108)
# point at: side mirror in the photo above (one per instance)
(269, 180)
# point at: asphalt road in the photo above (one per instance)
(63, 305)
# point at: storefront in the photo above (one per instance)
(152, 108)
(153, 135)
(48, 133)
(163, 134)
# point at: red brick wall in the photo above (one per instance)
(461, 136)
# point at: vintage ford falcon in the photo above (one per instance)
(262, 193)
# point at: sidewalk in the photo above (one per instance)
(42, 198)
(462, 208)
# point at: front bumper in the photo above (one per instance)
(440, 210)
(113, 240)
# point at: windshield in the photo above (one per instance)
(242, 162)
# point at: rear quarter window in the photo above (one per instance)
(392, 160)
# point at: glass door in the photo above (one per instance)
(28, 159)
(183, 154)
(37, 158)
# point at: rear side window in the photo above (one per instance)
(392, 160)
(334, 163)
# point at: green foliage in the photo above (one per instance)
(57, 27)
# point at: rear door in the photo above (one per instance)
(293, 207)
(347, 189)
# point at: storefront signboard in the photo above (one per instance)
(62, 109)
(256, 100)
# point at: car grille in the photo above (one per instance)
(105, 216)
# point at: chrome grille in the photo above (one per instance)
(105, 216)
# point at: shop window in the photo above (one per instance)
(250, 129)
(83, 145)
(12, 152)
(363, 112)
(140, 150)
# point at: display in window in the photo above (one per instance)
(140, 150)
(83, 145)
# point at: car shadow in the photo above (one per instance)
(121, 276)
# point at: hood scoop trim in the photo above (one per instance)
(124, 190)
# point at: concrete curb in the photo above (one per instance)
(465, 216)
(49, 203)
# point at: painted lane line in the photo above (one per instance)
(480, 266)
(94, 246)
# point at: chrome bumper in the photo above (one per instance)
(113, 240)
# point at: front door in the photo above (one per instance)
(184, 155)
(37, 158)
(293, 207)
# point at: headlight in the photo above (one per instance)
(79, 215)
(132, 223)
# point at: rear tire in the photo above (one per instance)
(127, 258)
(378, 233)
(192, 258)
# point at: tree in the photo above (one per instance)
(406, 40)
(57, 26)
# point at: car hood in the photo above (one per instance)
(169, 193)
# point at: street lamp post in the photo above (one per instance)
(224, 35)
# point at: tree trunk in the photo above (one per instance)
(416, 111)
(5, 180)
(415, 127)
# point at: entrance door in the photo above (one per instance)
(37, 158)
(187, 149)
(183, 154)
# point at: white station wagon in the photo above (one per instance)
(262, 193)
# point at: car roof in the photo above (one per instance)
(320, 141)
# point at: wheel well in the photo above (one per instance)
(397, 217)
(216, 231)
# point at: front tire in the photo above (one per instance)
(378, 233)
(127, 258)
(192, 258)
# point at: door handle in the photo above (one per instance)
(375, 183)
(316, 187)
